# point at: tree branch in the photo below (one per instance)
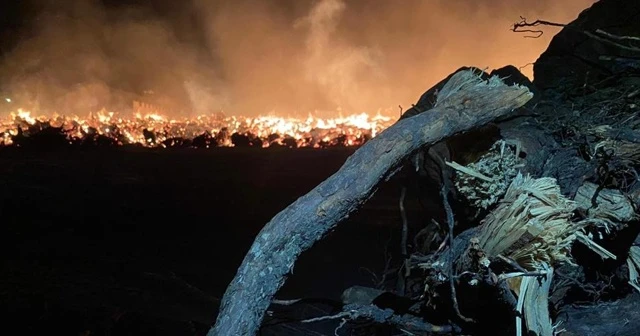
(600, 35)
(469, 103)
(386, 316)
(406, 270)
(518, 26)
(452, 282)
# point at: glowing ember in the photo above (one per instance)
(155, 130)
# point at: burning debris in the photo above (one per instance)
(154, 130)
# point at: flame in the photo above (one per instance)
(156, 130)
(24, 115)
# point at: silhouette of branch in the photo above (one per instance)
(522, 25)
(600, 35)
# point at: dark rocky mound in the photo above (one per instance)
(575, 59)
(581, 129)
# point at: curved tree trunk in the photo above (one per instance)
(466, 102)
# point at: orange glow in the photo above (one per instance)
(251, 57)
(321, 55)
(312, 131)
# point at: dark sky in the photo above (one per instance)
(14, 16)
(251, 57)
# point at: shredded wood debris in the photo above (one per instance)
(484, 182)
(611, 208)
(532, 225)
(533, 303)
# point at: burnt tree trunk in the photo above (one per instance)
(470, 102)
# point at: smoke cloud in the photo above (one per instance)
(251, 57)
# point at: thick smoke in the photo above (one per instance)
(250, 57)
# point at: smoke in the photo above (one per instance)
(83, 56)
(342, 70)
(250, 57)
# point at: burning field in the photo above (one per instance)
(504, 201)
(22, 128)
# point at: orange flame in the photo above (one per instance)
(156, 130)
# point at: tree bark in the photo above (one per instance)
(471, 102)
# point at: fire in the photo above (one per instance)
(24, 115)
(156, 130)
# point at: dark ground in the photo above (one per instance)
(144, 242)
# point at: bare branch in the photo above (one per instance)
(612, 43)
(618, 37)
(340, 315)
(386, 316)
(450, 222)
(518, 27)
(470, 102)
(600, 35)
(403, 243)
